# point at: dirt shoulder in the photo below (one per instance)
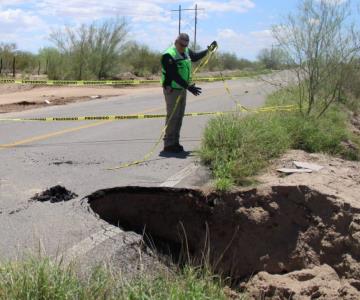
(15, 97)
(329, 244)
(20, 97)
(338, 177)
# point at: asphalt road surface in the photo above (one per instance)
(35, 156)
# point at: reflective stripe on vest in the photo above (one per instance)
(183, 66)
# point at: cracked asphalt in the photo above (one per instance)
(35, 156)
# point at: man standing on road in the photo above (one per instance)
(176, 79)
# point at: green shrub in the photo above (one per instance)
(325, 134)
(237, 147)
(44, 279)
(140, 60)
(317, 135)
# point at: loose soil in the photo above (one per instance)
(55, 194)
(339, 177)
(281, 240)
(14, 97)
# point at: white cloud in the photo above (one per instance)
(239, 6)
(91, 10)
(332, 2)
(23, 28)
(141, 10)
(150, 21)
(11, 2)
(19, 20)
(263, 35)
(227, 33)
(244, 44)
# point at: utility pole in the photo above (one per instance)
(14, 67)
(196, 10)
(180, 10)
(179, 19)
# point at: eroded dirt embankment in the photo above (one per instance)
(277, 231)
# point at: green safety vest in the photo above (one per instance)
(183, 66)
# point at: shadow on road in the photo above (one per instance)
(181, 155)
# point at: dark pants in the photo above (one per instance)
(172, 132)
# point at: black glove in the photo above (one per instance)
(213, 45)
(194, 89)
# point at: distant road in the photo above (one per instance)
(35, 156)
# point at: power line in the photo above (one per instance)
(196, 9)
(196, 16)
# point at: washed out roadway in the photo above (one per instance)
(35, 156)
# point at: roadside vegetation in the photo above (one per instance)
(103, 50)
(324, 48)
(237, 147)
(40, 278)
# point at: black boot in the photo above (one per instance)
(174, 148)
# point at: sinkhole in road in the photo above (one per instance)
(278, 230)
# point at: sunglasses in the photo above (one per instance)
(183, 45)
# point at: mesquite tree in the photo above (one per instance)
(321, 42)
(91, 51)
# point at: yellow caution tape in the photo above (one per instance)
(109, 118)
(149, 116)
(239, 107)
(101, 82)
(149, 154)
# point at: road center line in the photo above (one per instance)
(50, 135)
(61, 132)
(73, 129)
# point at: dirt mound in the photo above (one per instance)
(317, 283)
(281, 230)
(55, 194)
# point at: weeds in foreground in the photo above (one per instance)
(37, 278)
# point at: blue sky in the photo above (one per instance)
(239, 26)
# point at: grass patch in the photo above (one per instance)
(329, 134)
(44, 279)
(237, 147)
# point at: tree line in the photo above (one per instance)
(321, 40)
(101, 50)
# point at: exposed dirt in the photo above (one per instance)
(281, 230)
(15, 97)
(281, 240)
(339, 177)
(318, 283)
(55, 194)
(19, 97)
